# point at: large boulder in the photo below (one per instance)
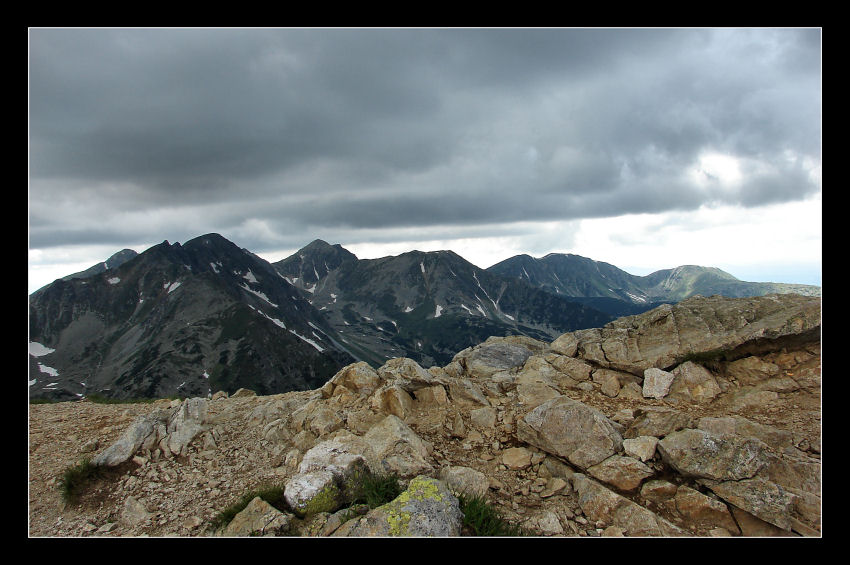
(314, 492)
(397, 449)
(358, 377)
(570, 429)
(427, 508)
(407, 374)
(496, 355)
(761, 498)
(259, 518)
(656, 383)
(623, 473)
(657, 421)
(465, 481)
(700, 454)
(326, 476)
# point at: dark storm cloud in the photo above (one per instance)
(334, 129)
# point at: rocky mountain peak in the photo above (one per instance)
(180, 319)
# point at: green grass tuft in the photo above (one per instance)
(375, 489)
(76, 479)
(481, 519)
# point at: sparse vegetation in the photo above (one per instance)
(480, 518)
(76, 479)
(375, 489)
(369, 489)
(43, 401)
(372, 490)
(710, 359)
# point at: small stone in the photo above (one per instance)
(516, 458)
(134, 512)
(642, 447)
(656, 382)
(553, 487)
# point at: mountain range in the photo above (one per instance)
(576, 276)
(191, 319)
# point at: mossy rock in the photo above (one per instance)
(427, 508)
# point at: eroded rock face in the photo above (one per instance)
(667, 335)
(171, 429)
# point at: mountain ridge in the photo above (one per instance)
(206, 314)
(573, 275)
(179, 319)
(409, 303)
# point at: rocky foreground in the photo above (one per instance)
(697, 419)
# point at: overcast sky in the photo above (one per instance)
(644, 148)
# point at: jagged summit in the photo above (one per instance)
(424, 305)
(180, 319)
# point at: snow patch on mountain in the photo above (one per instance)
(171, 286)
(49, 370)
(635, 298)
(258, 294)
(113, 280)
(263, 314)
(38, 350)
(308, 340)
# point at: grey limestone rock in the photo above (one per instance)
(570, 429)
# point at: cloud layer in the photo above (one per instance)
(279, 136)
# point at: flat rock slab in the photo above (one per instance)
(700, 454)
(571, 429)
